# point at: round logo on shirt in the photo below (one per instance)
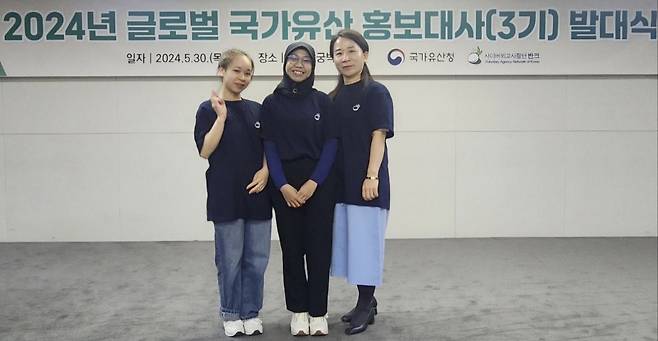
(317, 117)
(257, 124)
(356, 107)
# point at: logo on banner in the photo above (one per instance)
(504, 57)
(395, 57)
(474, 57)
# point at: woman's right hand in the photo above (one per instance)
(218, 105)
(291, 196)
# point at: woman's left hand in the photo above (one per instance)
(370, 189)
(307, 190)
(259, 181)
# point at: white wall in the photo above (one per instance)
(104, 159)
(3, 182)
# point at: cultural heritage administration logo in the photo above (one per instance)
(474, 57)
(396, 57)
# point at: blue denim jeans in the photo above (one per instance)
(242, 250)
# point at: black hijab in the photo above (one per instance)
(287, 86)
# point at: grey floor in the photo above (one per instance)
(452, 289)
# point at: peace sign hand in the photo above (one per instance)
(218, 105)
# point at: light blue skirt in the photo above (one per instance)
(358, 244)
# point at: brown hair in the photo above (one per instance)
(358, 38)
(228, 57)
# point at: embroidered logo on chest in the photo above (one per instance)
(356, 107)
(257, 124)
(317, 116)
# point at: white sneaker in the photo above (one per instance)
(299, 324)
(253, 326)
(319, 326)
(233, 328)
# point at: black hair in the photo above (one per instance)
(358, 38)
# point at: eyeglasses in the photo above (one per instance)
(295, 59)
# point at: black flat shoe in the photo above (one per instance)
(348, 316)
(360, 320)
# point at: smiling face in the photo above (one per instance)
(237, 76)
(299, 65)
(349, 59)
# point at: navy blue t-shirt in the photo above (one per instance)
(360, 111)
(298, 126)
(238, 156)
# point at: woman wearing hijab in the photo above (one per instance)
(300, 147)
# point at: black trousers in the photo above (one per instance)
(305, 234)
